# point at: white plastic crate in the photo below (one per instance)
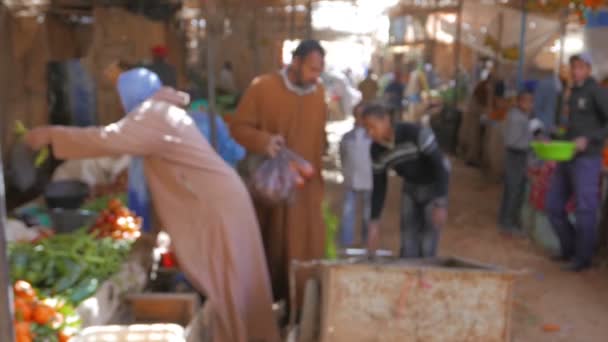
(130, 333)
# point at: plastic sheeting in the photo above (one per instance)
(479, 20)
(92, 171)
(595, 40)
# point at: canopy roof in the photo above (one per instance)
(37, 7)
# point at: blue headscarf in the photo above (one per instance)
(134, 87)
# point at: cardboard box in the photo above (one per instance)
(155, 307)
(419, 300)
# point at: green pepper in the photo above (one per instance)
(19, 260)
(49, 273)
(35, 272)
(41, 157)
(43, 154)
(70, 278)
(43, 333)
(85, 289)
(20, 129)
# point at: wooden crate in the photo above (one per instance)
(177, 308)
(440, 300)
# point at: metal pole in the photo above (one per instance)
(457, 47)
(292, 24)
(255, 46)
(522, 44)
(212, 26)
(562, 47)
(499, 40)
(309, 19)
(6, 297)
(562, 37)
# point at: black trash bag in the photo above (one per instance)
(22, 174)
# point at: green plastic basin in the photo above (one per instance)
(555, 150)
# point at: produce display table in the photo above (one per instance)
(64, 282)
(107, 306)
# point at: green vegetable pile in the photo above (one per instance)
(70, 266)
(331, 226)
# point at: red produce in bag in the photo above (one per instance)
(276, 179)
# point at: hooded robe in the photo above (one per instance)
(200, 201)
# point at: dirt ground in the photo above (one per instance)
(577, 303)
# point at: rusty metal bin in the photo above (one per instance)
(438, 300)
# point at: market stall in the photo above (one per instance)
(68, 279)
(79, 262)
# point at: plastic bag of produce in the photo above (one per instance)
(276, 179)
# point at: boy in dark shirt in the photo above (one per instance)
(412, 152)
(587, 128)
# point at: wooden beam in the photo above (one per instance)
(412, 43)
(414, 10)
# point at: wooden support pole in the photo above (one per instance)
(457, 47)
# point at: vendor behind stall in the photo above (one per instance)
(161, 67)
(201, 201)
(587, 128)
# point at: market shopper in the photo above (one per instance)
(412, 152)
(226, 84)
(161, 67)
(472, 131)
(200, 200)
(393, 94)
(548, 99)
(517, 139)
(287, 108)
(369, 87)
(356, 165)
(587, 128)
